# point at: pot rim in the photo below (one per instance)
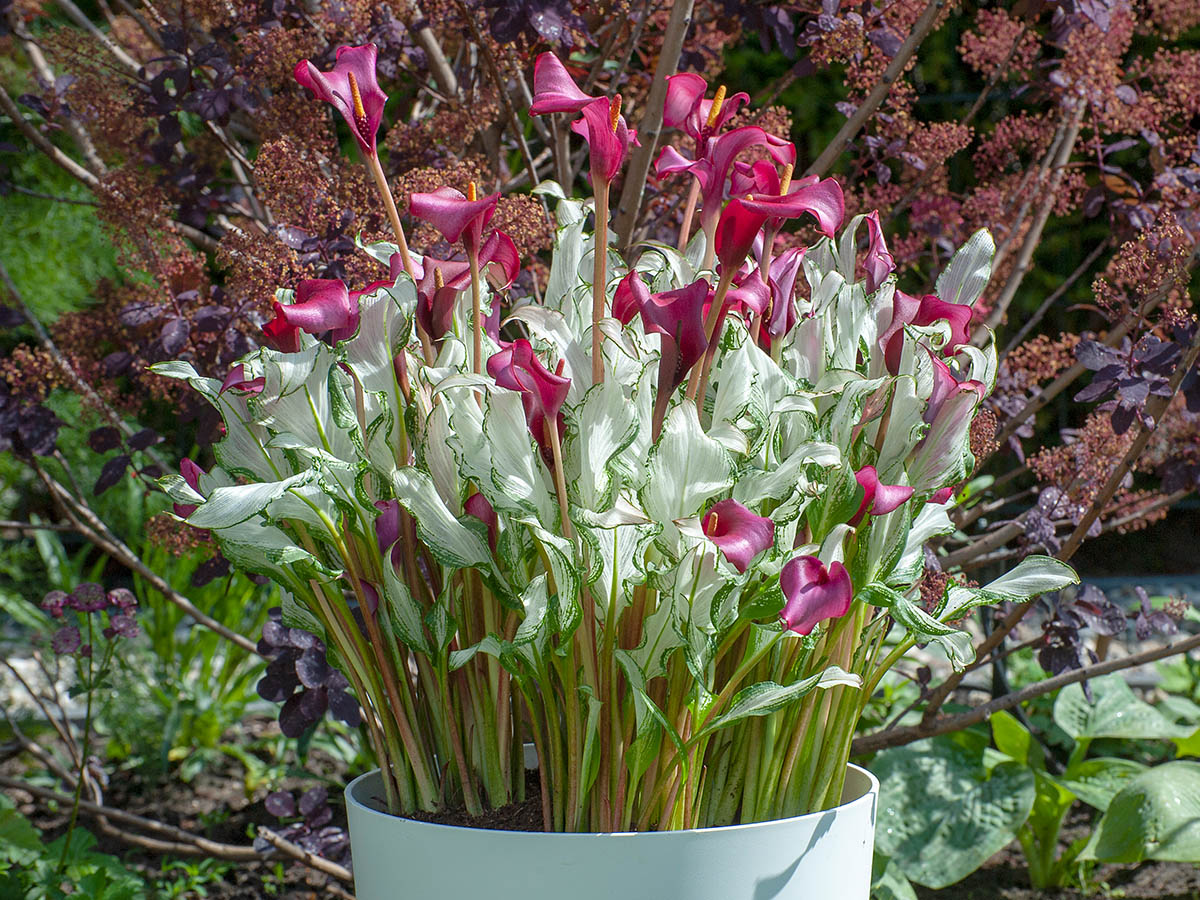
(868, 797)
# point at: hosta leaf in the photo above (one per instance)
(1115, 713)
(1096, 781)
(1155, 816)
(942, 813)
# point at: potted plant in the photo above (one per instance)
(664, 524)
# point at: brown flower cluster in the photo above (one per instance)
(1082, 463)
(1000, 42)
(1153, 265)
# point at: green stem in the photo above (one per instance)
(83, 758)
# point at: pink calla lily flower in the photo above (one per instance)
(322, 304)
(236, 381)
(601, 124)
(631, 295)
(878, 498)
(739, 533)
(477, 505)
(387, 530)
(782, 273)
(813, 593)
(608, 137)
(191, 474)
(678, 317)
(554, 90)
(454, 215)
(908, 310)
(712, 170)
(879, 262)
(542, 392)
(945, 386)
(352, 88)
(737, 228)
(687, 108)
(822, 199)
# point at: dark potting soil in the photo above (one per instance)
(523, 816)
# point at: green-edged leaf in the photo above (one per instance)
(921, 625)
(765, 697)
(966, 276)
(452, 543)
(228, 506)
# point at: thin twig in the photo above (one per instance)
(846, 134)
(185, 841)
(283, 845)
(1034, 235)
(1058, 292)
(39, 140)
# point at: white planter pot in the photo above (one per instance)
(821, 856)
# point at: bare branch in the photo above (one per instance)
(299, 854)
(945, 724)
(650, 126)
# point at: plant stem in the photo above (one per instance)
(599, 276)
(389, 204)
(83, 756)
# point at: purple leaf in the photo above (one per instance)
(111, 473)
(101, 440)
(145, 438)
(281, 804)
(313, 799)
(312, 669)
(174, 335)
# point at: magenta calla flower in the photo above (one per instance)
(554, 90)
(908, 310)
(823, 199)
(352, 88)
(279, 335)
(191, 474)
(749, 296)
(542, 392)
(813, 593)
(236, 381)
(687, 108)
(677, 316)
(878, 498)
(630, 297)
(781, 276)
(879, 262)
(739, 533)
(736, 230)
(499, 253)
(387, 530)
(942, 496)
(322, 304)
(455, 216)
(716, 162)
(435, 310)
(477, 505)
(945, 386)
(608, 137)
